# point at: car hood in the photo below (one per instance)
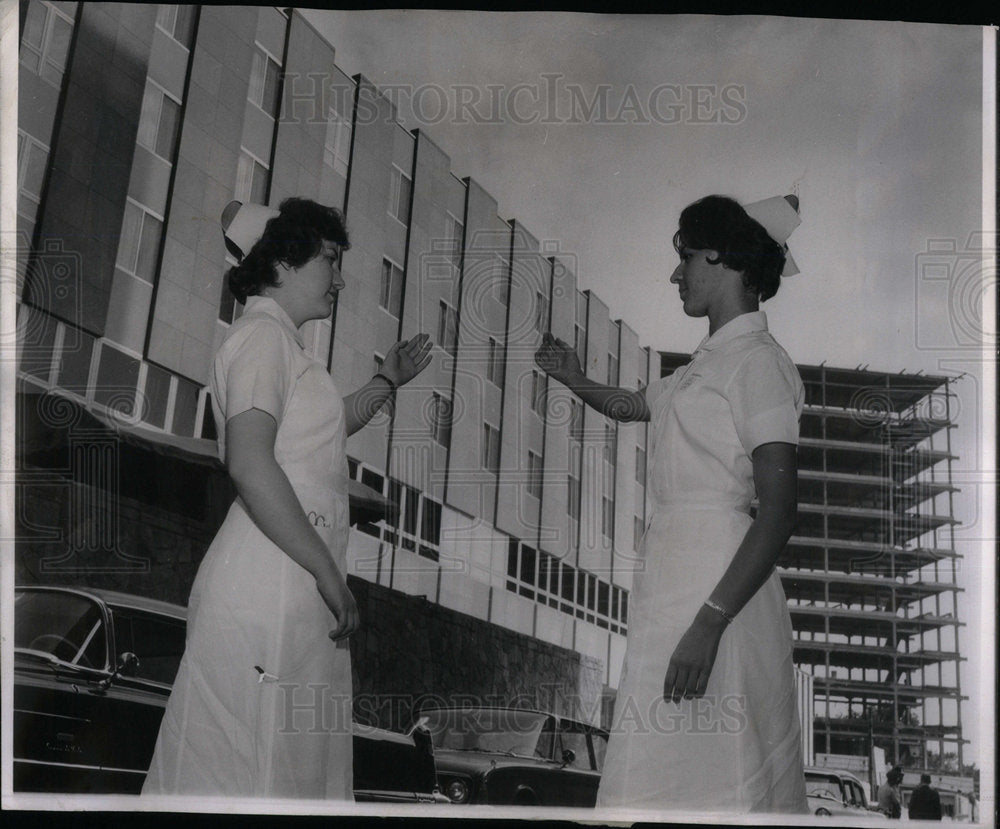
(479, 762)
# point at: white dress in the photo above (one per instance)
(262, 701)
(738, 748)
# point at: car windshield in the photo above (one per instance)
(67, 626)
(821, 785)
(505, 731)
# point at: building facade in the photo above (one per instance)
(138, 124)
(516, 505)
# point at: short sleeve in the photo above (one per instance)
(766, 397)
(654, 389)
(257, 370)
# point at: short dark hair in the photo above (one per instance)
(925, 778)
(293, 237)
(721, 224)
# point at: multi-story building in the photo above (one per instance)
(516, 505)
(138, 124)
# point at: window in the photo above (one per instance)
(491, 447)
(117, 378)
(495, 363)
(159, 122)
(580, 344)
(32, 157)
(455, 231)
(640, 465)
(573, 496)
(264, 82)
(391, 288)
(447, 331)
(527, 570)
(430, 528)
(609, 444)
(399, 195)
(580, 328)
(139, 243)
(441, 419)
(575, 420)
(607, 517)
(614, 335)
(185, 408)
(337, 147)
(534, 474)
(69, 627)
(178, 22)
(501, 280)
(537, 393)
(152, 403)
(74, 360)
(411, 503)
(38, 349)
(158, 641)
(45, 41)
(252, 178)
(541, 312)
(227, 302)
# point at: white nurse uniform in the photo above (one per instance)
(262, 702)
(737, 749)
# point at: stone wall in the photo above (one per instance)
(410, 650)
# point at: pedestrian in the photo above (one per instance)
(925, 802)
(706, 716)
(890, 798)
(262, 701)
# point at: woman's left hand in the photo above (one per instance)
(407, 358)
(691, 663)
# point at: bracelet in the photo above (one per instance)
(725, 614)
(392, 386)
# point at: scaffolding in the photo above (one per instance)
(871, 571)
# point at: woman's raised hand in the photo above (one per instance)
(407, 358)
(557, 358)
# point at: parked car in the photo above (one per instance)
(92, 673)
(514, 756)
(838, 793)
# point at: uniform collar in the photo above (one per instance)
(748, 323)
(266, 305)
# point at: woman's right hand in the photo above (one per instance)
(558, 359)
(339, 599)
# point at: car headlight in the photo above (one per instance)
(457, 791)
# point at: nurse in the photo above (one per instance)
(705, 716)
(262, 701)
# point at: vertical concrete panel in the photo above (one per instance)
(204, 179)
(595, 548)
(471, 488)
(91, 162)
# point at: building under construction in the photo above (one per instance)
(870, 572)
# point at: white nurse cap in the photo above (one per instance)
(243, 225)
(779, 216)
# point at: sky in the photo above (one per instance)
(595, 131)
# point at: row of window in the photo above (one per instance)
(548, 580)
(415, 524)
(45, 39)
(55, 354)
